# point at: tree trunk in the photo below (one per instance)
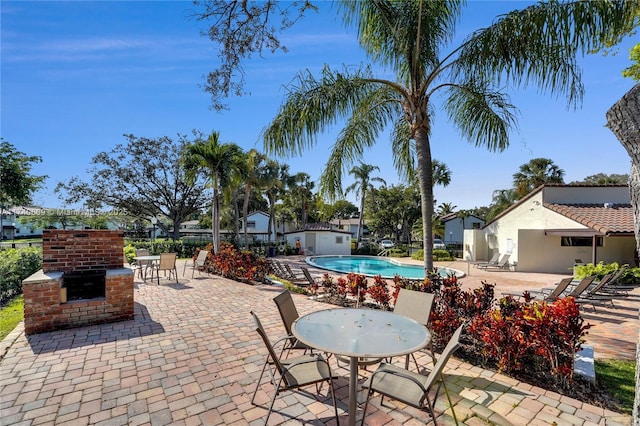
(215, 221)
(425, 177)
(361, 219)
(623, 119)
(245, 212)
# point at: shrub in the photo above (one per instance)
(239, 265)
(532, 338)
(438, 255)
(15, 266)
(599, 270)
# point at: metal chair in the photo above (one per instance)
(142, 265)
(198, 263)
(294, 373)
(167, 263)
(289, 313)
(409, 387)
(417, 306)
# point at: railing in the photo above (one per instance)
(384, 252)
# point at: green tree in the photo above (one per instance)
(604, 179)
(16, 182)
(219, 161)
(502, 199)
(143, 178)
(362, 185)
(537, 45)
(243, 28)
(536, 172)
(253, 174)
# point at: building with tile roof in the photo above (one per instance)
(554, 225)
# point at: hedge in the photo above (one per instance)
(15, 266)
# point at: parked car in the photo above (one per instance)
(438, 244)
(386, 244)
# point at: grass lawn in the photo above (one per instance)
(10, 315)
(617, 379)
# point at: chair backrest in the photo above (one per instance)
(581, 287)
(560, 288)
(414, 304)
(202, 257)
(616, 275)
(598, 286)
(142, 252)
(454, 343)
(267, 342)
(504, 260)
(308, 276)
(287, 309)
(167, 261)
(289, 270)
(494, 258)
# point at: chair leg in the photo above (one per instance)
(366, 403)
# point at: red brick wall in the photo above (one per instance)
(70, 251)
(44, 312)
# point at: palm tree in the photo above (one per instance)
(502, 199)
(220, 162)
(535, 173)
(362, 185)
(253, 175)
(275, 178)
(537, 45)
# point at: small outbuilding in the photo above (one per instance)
(554, 226)
(320, 239)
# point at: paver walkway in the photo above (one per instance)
(191, 356)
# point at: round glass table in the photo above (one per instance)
(360, 333)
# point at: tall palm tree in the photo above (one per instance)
(219, 161)
(274, 183)
(535, 173)
(361, 186)
(502, 199)
(253, 176)
(537, 45)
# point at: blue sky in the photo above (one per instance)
(77, 75)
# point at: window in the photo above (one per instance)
(475, 225)
(579, 241)
(339, 239)
(251, 224)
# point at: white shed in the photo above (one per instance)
(319, 239)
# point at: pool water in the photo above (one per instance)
(372, 266)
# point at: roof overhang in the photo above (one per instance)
(573, 232)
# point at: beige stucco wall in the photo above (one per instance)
(325, 242)
(534, 251)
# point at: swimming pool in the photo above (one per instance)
(372, 266)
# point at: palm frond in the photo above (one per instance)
(403, 150)
(368, 119)
(312, 105)
(538, 45)
(481, 115)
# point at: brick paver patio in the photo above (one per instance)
(191, 357)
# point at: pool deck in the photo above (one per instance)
(192, 357)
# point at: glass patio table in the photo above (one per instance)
(360, 333)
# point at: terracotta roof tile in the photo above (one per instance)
(617, 219)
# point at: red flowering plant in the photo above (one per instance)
(532, 338)
(379, 292)
(234, 264)
(357, 286)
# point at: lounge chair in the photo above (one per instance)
(503, 263)
(547, 295)
(409, 387)
(492, 261)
